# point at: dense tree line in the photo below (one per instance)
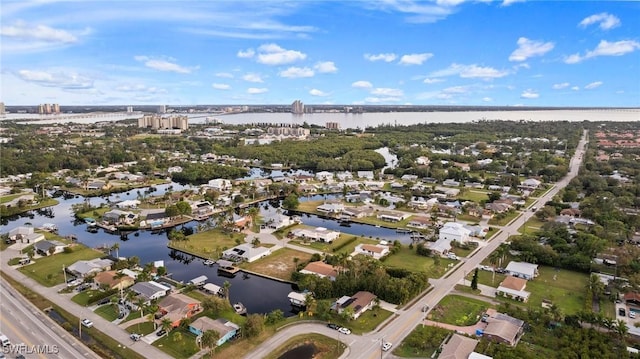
(198, 173)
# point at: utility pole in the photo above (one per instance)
(64, 272)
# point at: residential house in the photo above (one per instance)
(376, 251)
(454, 231)
(463, 166)
(423, 161)
(130, 203)
(116, 216)
(245, 252)
(199, 281)
(213, 289)
(530, 184)
(442, 245)
(366, 175)
(113, 280)
(225, 329)
(321, 269)
(409, 178)
(24, 233)
(276, 221)
(504, 329)
(319, 234)
(524, 270)
(219, 184)
(458, 347)
(45, 248)
(177, 306)
(85, 268)
(202, 209)
(357, 212)
(357, 303)
(513, 287)
(497, 207)
(344, 176)
(420, 222)
(324, 176)
(448, 192)
(150, 290)
(330, 208)
(451, 183)
(420, 203)
(392, 216)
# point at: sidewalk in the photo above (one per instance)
(106, 327)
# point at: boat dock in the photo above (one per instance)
(227, 267)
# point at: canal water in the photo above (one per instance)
(258, 294)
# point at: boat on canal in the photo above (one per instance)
(240, 308)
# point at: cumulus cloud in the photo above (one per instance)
(456, 89)
(432, 81)
(297, 72)
(362, 85)
(529, 48)
(470, 71)
(167, 65)
(224, 75)
(605, 48)
(272, 54)
(316, 92)
(575, 88)
(386, 57)
(560, 86)
(59, 79)
(593, 85)
(221, 86)
(487, 99)
(23, 31)
(255, 90)
(509, 2)
(604, 20)
(326, 67)
(251, 77)
(414, 59)
(387, 92)
(529, 94)
(246, 54)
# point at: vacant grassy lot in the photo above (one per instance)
(209, 244)
(108, 312)
(422, 342)
(143, 328)
(48, 270)
(280, 264)
(309, 206)
(474, 195)
(496, 221)
(325, 347)
(532, 225)
(84, 297)
(408, 259)
(458, 310)
(178, 343)
(367, 322)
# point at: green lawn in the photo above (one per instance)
(458, 310)
(48, 270)
(143, 328)
(83, 298)
(349, 248)
(367, 322)
(208, 244)
(108, 312)
(280, 264)
(309, 206)
(408, 259)
(10, 197)
(474, 195)
(326, 348)
(532, 225)
(422, 342)
(181, 349)
(460, 252)
(504, 220)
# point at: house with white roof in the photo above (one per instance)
(324, 176)
(219, 184)
(344, 176)
(319, 234)
(366, 174)
(423, 161)
(245, 252)
(524, 270)
(530, 184)
(150, 290)
(376, 251)
(330, 208)
(454, 231)
(86, 268)
(130, 203)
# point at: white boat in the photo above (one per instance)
(209, 262)
(240, 308)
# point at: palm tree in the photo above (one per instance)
(210, 339)
(176, 337)
(115, 247)
(166, 324)
(151, 317)
(621, 329)
(226, 285)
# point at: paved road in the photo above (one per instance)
(369, 345)
(101, 324)
(25, 324)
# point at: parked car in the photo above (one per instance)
(622, 312)
(161, 332)
(135, 337)
(344, 330)
(386, 346)
(632, 315)
(104, 301)
(87, 323)
(333, 326)
(485, 318)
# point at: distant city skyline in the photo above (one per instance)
(391, 52)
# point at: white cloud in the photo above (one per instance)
(606, 48)
(593, 85)
(141, 88)
(272, 54)
(432, 81)
(415, 59)
(529, 94)
(575, 88)
(529, 48)
(456, 89)
(487, 99)
(56, 78)
(224, 75)
(362, 85)
(560, 86)
(387, 92)
(470, 71)
(246, 54)
(509, 2)
(386, 57)
(163, 65)
(418, 11)
(326, 67)
(251, 77)
(24, 31)
(255, 90)
(316, 92)
(221, 86)
(604, 20)
(297, 72)
(382, 99)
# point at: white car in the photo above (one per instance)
(386, 346)
(87, 323)
(344, 330)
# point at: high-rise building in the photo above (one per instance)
(158, 122)
(162, 109)
(297, 107)
(332, 125)
(2, 108)
(48, 108)
(129, 109)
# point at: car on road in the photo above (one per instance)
(87, 323)
(425, 308)
(386, 346)
(161, 332)
(135, 337)
(333, 326)
(344, 330)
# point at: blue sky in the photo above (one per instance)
(457, 52)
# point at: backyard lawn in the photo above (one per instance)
(325, 347)
(280, 264)
(474, 195)
(83, 298)
(143, 328)
(48, 270)
(208, 244)
(532, 225)
(178, 343)
(367, 322)
(408, 259)
(503, 221)
(458, 310)
(108, 312)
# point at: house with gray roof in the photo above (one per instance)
(45, 248)
(86, 268)
(150, 290)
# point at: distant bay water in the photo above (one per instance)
(360, 120)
